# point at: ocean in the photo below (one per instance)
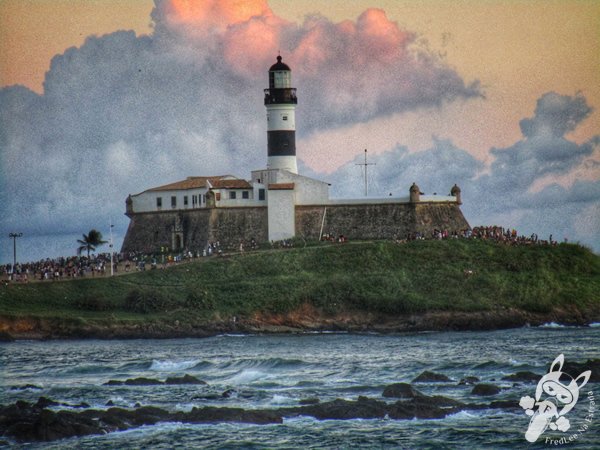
(273, 371)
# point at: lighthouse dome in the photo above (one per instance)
(278, 66)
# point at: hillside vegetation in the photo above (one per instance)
(375, 279)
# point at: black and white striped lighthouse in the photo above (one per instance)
(280, 100)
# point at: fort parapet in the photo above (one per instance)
(194, 229)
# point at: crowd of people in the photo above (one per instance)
(493, 233)
(60, 268)
(99, 265)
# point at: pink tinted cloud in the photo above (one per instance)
(351, 71)
(208, 14)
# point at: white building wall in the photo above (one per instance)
(239, 200)
(281, 214)
(146, 201)
(307, 191)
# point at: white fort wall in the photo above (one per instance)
(281, 215)
(147, 201)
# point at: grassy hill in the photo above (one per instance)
(331, 283)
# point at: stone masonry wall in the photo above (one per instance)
(148, 232)
(382, 221)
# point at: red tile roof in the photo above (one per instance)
(221, 181)
(281, 186)
(231, 184)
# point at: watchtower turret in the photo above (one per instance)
(455, 192)
(415, 193)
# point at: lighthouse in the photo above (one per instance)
(280, 101)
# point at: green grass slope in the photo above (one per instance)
(380, 278)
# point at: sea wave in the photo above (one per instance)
(173, 366)
(247, 376)
(266, 363)
(552, 325)
(594, 325)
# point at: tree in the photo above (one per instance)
(90, 242)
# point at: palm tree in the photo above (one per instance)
(90, 242)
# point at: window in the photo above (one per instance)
(261, 194)
(218, 196)
(232, 195)
(185, 200)
(284, 117)
(203, 198)
(245, 194)
(159, 202)
(173, 201)
(194, 200)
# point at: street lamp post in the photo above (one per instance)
(111, 249)
(14, 237)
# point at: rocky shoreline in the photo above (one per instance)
(38, 328)
(48, 420)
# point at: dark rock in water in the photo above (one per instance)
(27, 422)
(211, 414)
(228, 393)
(81, 405)
(421, 406)
(505, 404)
(186, 379)
(109, 403)
(526, 377)
(134, 382)
(309, 401)
(44, 402)
(484, 389)
(141, 381)
(431, 377)
(137, 405)
(208, 396)
(363, 408)
(24, 387)
(401, 390)
(468, 381)
(575, 368)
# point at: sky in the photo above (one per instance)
(103, 98)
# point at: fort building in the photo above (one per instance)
(276, 203)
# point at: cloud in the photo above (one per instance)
(435, 170)
(123, 113)
(556, 115)
(503, 193)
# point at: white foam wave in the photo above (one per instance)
(280, 399)
(247, 376)
(594, 325)
(463, 415)
(552, 325)
(172, 366)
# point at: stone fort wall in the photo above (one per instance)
(378, 221)
(148, 232)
